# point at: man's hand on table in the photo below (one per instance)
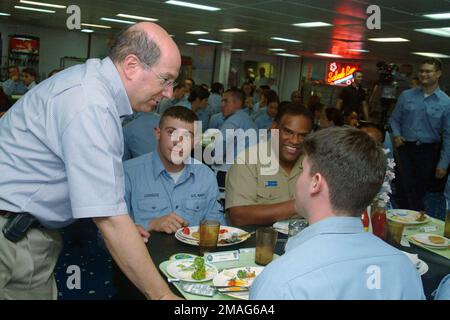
(169, 223)
(144, 234)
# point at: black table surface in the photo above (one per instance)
(161, 246)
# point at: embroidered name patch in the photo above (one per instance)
(271, 184)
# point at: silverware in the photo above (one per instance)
(232, 289)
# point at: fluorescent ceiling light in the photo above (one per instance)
(34, 9)
(192, 5)
(284, 39)
(117, 20)
(4, 14)
(358, 50)
(288, 55)
(233, 30)
(87, 30)
(197, 32)
(95, 25)
(277, 49)
(237, 50)
(209, 40)
(312, 24)
(328, 55)
(122, 15)
(431, 54)
(438, 16)
(192, 44)
(441, 32)
(43, 4)
(388, 39)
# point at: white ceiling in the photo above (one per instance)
(268, 18)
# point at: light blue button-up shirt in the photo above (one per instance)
(264, 121)
(202, 114)
(216, 121)
(238, 120)
(138, 135)
(11, 87)
(61, 147)
(165, 104)
(417, 118)
(151, 192)
(214, 103)
(336, 259)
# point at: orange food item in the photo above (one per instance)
(436, 239)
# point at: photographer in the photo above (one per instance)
(387, 89)
(353, 98)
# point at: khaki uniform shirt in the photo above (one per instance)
(254, 184)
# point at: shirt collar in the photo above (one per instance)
(158, 167)
(332, 225)
(436, 92)
(114, 83)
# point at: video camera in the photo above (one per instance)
(387, 72)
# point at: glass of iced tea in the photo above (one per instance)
(266, 239)
(209, 234)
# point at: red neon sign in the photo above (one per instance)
(340, 73)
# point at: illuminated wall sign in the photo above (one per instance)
(340, 73)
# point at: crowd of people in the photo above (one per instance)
(114, 139)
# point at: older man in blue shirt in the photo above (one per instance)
(61, 151)
(420, 122)
(334, 258)
(165, 195)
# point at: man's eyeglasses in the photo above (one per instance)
(165, 82)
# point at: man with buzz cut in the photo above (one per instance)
(166, 189)
(334, 258)
(262, 194)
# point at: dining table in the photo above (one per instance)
(162, 246)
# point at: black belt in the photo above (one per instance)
(418, 143)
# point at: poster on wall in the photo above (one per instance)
(20, 44)
(339, 73)
(24, 51)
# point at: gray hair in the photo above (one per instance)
(135, 42)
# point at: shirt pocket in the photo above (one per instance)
(267, 194)
(410, 105)
(149, 209)
(195, 207)
(434, 115)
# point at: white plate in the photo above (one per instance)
(406, 217)
(189, 239)
(222, 278)
(420, 265)
(423, 238)
(282, 226)
(177, 270)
